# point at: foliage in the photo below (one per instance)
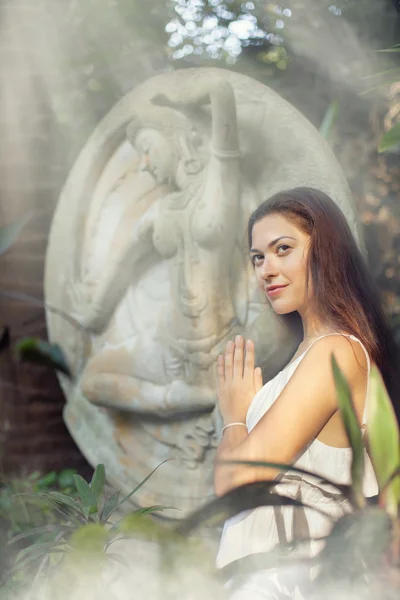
(40, 352)
(60, 527)
(390, 139)
(363, 544)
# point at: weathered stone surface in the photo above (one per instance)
(153, 264)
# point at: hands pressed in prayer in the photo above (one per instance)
(238, 380)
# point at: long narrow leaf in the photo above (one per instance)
(40, 352)
(383, 440)
(85, 493)
(98, 482)
(9, 233)
(140, 484)
(24, 562)
(243, 498)
(65, 500)
(241, 568)
(53, 504)
(353, 432)
(135, 526)
(345, 490)
(390, 139)
(380, 73)
(141, 512)
(38, 531)
(109, 507)
(36, 551)
(329, 120)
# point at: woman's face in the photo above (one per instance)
(157, 154)
(279, 254)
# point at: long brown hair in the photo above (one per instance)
(344, 292)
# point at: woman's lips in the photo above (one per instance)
(275, 291)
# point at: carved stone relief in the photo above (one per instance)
(147, 252)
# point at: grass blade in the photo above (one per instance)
(353, 432)
(384, 441)
(329, 120)
(245, 497)
(98, 482)
(9, 233)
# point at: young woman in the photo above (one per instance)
(306, 261)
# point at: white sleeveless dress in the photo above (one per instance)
(261, 529)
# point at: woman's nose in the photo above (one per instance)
(268, 269)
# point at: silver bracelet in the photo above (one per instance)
(232, 425)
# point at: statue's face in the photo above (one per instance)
(279, 255)
(157, 153)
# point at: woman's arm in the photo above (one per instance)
(296, 417)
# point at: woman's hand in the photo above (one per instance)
(238, 380)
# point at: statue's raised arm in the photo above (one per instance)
(224, 133)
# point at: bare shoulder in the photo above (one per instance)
(348, 353)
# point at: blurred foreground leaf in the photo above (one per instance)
(39, 352)
(353, 432)
(383, 441)
(9, 233)
(390, 139)
(329, 120)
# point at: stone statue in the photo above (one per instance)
(156, 209)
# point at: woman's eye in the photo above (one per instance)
(282, 247)
(257, 259)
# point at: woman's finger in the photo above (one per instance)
(249, 360)
(238, 357)
(258, 380)
(228, 366)
(221, 367)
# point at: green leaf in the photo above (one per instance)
(147, 510)
(383, 440)
(395, 48)
(140, 484)
(329, 120)
(138, 525)
(245, 497)
(141, 512)
(86, 495)
(35, 552)
(65, 500)
(353, 432)
(9, 233)
(35, 531)
(390, 139)
(98, 481)
(66, 478)
(109, 506)
(238, 570)
(37, 351)
(345, 490)
(46, 481)
(90, 538)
